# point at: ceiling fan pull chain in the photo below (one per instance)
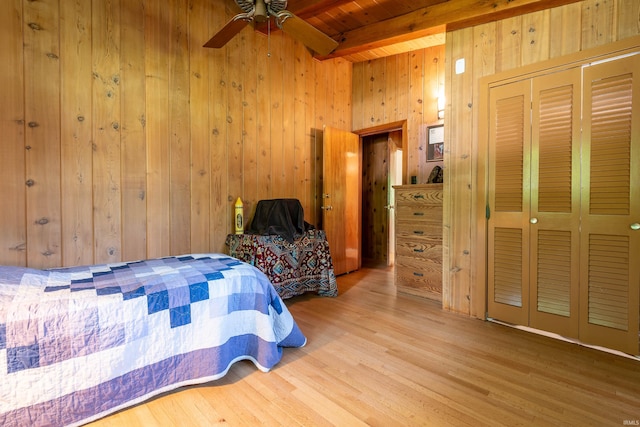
(269, 38)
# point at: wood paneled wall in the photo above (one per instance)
(397, 88)
(488, 49)
(122, 138)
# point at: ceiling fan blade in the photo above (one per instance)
(306, 33)
(227, 32)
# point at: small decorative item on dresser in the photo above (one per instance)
(436, 175)
(418, 229)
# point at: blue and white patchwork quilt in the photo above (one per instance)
(79, 343)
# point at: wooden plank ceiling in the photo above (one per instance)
(369, 29)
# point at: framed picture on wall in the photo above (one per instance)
(435, 143)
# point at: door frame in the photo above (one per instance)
(386, 128)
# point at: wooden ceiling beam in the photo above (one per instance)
(505, 9)
(447, 16)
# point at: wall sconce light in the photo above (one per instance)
(441, 102)
(440, 94)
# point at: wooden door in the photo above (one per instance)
(555, 203)
(535, 206)
(610, 243)
(341, 197)
(508, 203)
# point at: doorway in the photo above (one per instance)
(381, 170)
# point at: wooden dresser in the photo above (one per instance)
(418, 231)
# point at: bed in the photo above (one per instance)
(79, 343)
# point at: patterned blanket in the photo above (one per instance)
(304, 265)
(79, 343)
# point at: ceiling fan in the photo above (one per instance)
(261, 11)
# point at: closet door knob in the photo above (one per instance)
(635, 226)
(533, 220)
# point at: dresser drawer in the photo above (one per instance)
(417, 213)
(425, 248)
(419, 277)
(419, 230)
(419, 196)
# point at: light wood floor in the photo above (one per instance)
(376, 359)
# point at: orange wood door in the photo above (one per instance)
(341, 197)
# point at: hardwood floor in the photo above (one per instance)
(376, 359)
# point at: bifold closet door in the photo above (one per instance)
(564, 201)
(555, 203)
(610, 239)
(534, 202)
(509, 200)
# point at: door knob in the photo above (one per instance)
(533, 220)
(635, 226)
(327, 208)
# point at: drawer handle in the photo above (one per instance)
(418, 232)
(418, 213)
(418, 196)
(418, 274)
(418, 250)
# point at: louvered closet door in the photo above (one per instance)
(508, 225)
(610, 246)
(555, 203)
